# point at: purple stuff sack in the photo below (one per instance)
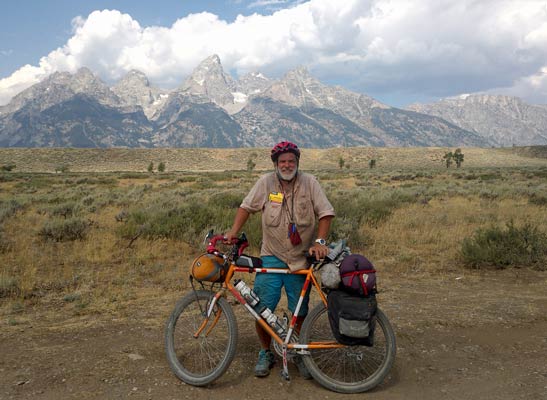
(358, 275)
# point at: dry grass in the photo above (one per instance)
(101, 274)
(426, 238)
(107, 160)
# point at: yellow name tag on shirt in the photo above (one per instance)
(276, 197)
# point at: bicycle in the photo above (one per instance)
(202, 333)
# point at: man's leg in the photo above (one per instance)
(268, 289)
(293, 288)
(263, 336)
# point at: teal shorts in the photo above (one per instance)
(268, 286)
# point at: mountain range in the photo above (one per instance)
(212, 109)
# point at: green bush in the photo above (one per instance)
(9, 208)
(184, 179)
(133, 175)
(509, 247)
(7, 167)
(538, 199)
(5, 242)
(64, 210)
(355, 209)
(184, 222)
(64, 230)
(8, 286)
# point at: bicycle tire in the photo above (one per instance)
(351, 369)
(199, 361)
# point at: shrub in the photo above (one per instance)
(8, 286)
(5, 242)
(355, 209)
(133, 175)
(184, 179)
(9, 208)
(502, 248)
(61, 168)
(64, 230)
(7, 167)
(64, 210)
(251, 164)
(181, 223)
(88, 200)
(538, 199)
(72, 297)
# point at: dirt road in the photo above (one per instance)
(476, 335)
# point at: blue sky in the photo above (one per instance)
(397, 51)
(32, 28)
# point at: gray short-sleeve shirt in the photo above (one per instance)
(310, 204)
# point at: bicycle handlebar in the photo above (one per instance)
(239, 244)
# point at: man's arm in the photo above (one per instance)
(323, 227)
(241, 217)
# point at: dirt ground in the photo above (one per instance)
(471, 335)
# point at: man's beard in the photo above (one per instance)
(287, 176)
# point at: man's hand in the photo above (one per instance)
(228, 236)
(320, 251)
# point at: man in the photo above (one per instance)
(290, 202)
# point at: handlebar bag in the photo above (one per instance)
(248, 261)
(352, 318)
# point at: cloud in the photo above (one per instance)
(409, 48)
(264, 3)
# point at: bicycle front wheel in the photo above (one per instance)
(350, 369)
(200, 360)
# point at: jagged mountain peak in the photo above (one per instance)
(253, 83)
(258, 75)
(84, 72)
(482, 99)
(300, 72)
(59, 87)
(212, 59)
(299, 88)
(212, 109)
(135, 89)
(209, 82)
(210, 68)
(135, 76)
(501, 119)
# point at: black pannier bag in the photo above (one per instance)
(352, 318)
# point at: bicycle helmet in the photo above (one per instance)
(284, 147)
(209, 268)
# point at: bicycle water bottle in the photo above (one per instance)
(250, 297)
(273, 321)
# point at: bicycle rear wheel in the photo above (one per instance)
(351, 369)
(199, 361)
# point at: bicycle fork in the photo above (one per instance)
(210, 309)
